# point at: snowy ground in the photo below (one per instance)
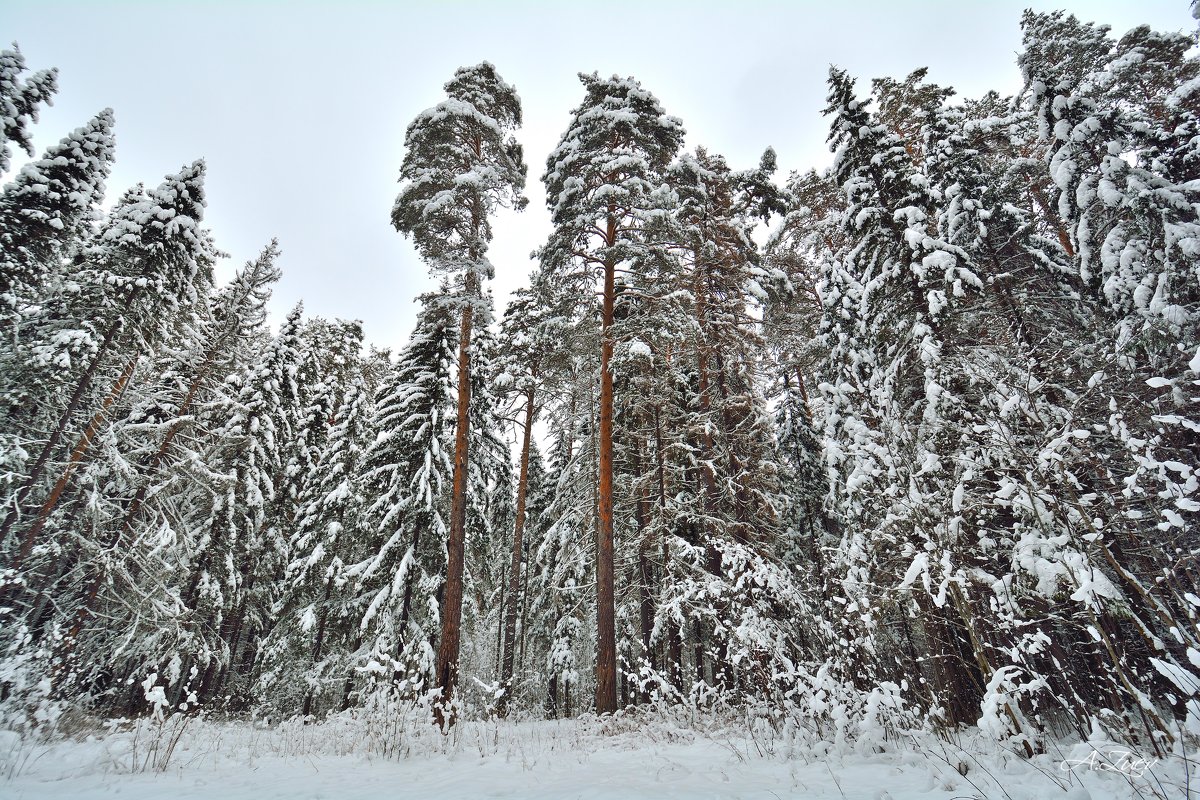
(622, 760)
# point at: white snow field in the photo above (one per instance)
(615, 759)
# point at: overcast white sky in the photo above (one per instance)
(300, 108)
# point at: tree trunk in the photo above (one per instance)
(318, 643)
(524, 612)
(348, 686)
(139, 498)
(514, 578)
(552, 698)
(76, 458)
(60, 427)
(977, 647)
(674, 662)
(448, 648)
(500, 620)
(645, 583)
(606, 638)
(803, 391)
(709, 490)
(406, 604)
(1052, 218)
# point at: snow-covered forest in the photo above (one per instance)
(903, 451)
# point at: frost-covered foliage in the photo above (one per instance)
(462, 164)
(407, 470)
(20, 97)
(49, 207)
(927, 460)
(1008, 300)
(605, 188)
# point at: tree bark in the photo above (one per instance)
(76, 458)
(448, 647)
(803, 391)
(674, 659)
(500, 622)
(606, 638)
(60, 427)
(515, 573)
(319, 642)
(552, 698)
(645, 579)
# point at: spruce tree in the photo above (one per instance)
(242, 551)
(160, 488)
(49, 208)
(19, 101)
(150, 261)
(407, 473)
(309, 648)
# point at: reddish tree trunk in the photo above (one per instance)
(606, 637)
(448, 648)
(73, 407)
(76, 458)
(803, 391)
(60, 427)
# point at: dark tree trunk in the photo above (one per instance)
(552, 698)
(318, 642)
(645, 586)
(674, 664)
(518, 551)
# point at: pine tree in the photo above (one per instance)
(603, 185)
(529, 338)
(462, 163)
